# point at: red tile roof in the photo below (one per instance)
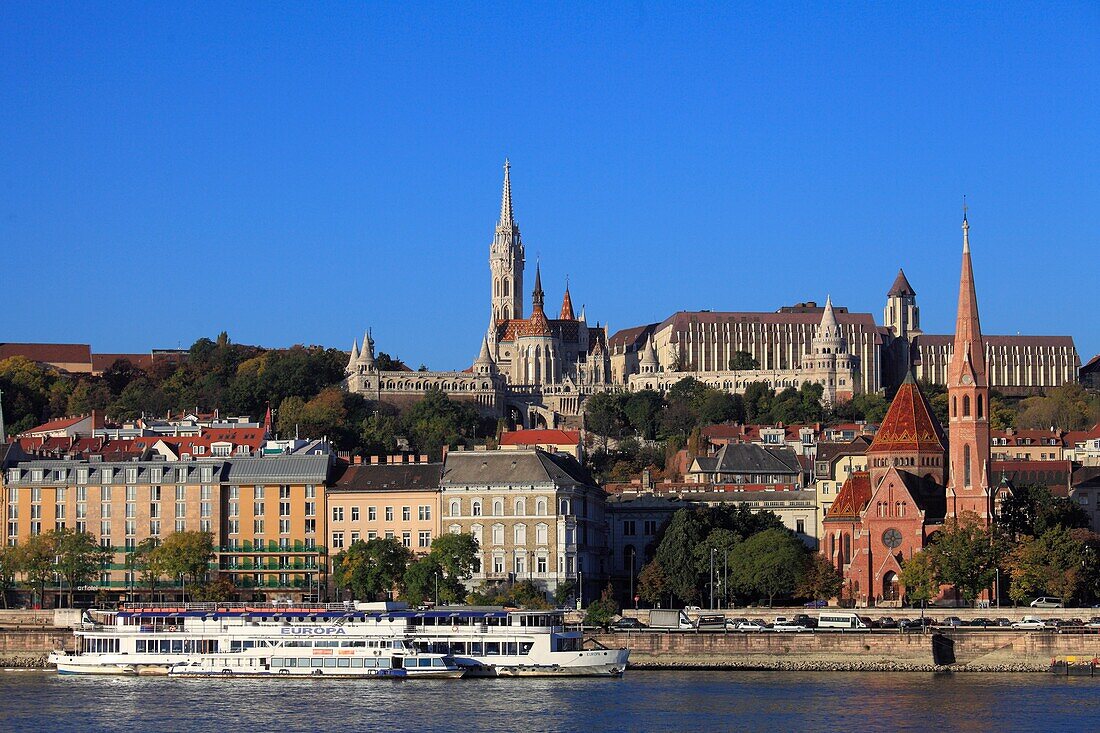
(541, 437)
(853, 497)
(60, 423)
(909, 424)
(49, 353)
(102, 362)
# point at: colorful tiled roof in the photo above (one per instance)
(853, 497)
(909, 424)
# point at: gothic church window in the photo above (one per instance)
(966, 405)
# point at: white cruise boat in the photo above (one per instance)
(290, 641)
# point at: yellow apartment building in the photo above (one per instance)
(385, 498)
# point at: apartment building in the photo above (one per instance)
(395, 500)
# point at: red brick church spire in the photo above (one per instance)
(567, 305)
(968, 396)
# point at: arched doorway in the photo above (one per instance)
(890, 590)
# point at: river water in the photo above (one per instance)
(700, 702)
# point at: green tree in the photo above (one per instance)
(455, 555)
(1053, 564)
(9, 566)
(965, 555)
(438, 420)
(564, 591)
(186, 555)
(769, 563)
(218, 590)
(641, 409)
(719, 407)
(148, 564)
(820, 580)
(758, 402)
(36, 561)
(676, 555)
(604, 416)
(79, 558)
(651, 583)
(602, 612)
(919, 578)
(420, 580)
(371, 569)
(743, 361)
(1032, 510)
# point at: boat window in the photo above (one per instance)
(525, 647)
(291, 662)
(343, 662)
(437, 662)
(356, 662)
(384, 663)
(304, 662)
(330, 662)
(510, 648)
(316, 662)
(492, 647)
(476, 648)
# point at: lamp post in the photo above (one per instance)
(711, 579)
(633, 553)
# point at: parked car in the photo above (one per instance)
(692, 608)
(917, 624)
(784, 624)
(751, 625)
(817, 604)
(716, 622)
(733, 623)
(1047, 602)
(1075, 622)
(951, 622)
(627, 623)
(887, 622)
(1094, 622)
(1029, 623)
(806, 620)
(980, 622)
(1002, 622)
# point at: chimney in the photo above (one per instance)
(423, 457)
(358, 460)
(374, 460)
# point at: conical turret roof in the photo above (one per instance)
(901, 286)
(567, 307)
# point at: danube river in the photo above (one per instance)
(641, 701)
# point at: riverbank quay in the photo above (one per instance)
(27, 636)
(887, 651)
(935, 613)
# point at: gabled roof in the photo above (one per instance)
(857, 446)
(389, 477)
(930, 497)
(60, 423)
(909, 424)
(751, 458)
(512, 467)
(853, 497)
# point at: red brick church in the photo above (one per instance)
(915, 479)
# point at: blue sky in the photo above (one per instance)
(293, 173)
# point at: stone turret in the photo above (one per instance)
(366, 355)
(354, 359)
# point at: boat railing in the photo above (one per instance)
(236, 606)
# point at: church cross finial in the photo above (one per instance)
(966, 229)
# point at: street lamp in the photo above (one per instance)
(711, 578)
(633, 554)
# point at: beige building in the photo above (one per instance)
(395, 500)
(834, 463)
(1026, 445)
(265, 514)
(537, 516)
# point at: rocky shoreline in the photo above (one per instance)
(26, 660)
(819, 666)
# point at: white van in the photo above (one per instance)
(841, 621)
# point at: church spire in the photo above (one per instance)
(968, 489)
(506, 218)
(567, 305)
(537, 296)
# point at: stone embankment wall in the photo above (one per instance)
(29, 647)
(970, 651)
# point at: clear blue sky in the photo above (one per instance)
(294, 173)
